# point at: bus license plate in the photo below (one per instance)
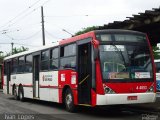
(132, 98)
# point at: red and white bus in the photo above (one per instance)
(102, 67)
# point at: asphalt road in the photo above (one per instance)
(11, 109)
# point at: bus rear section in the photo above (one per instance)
(157, 64)
(127, 69)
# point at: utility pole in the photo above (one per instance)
(43, 31)
(12, 47)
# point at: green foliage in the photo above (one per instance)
(85, 30)
(156, 52)
(1, 57)
(18, 50)
(15, 51)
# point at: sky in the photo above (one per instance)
(20, 20)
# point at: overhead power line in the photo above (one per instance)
(21, 44)
(52, 35)
(68, 16)
(21, 13)
(45, 2)
(20, 28)
(22, 17)
(5, 43)
(33, 35)
(26, 45)
(29, 37)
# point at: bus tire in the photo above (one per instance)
(15, 93)
(69, 101)
(21, 94)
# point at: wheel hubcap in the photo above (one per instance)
(69, 100)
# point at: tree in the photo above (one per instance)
(15, 51)
(156, 52)
(1, 57)
(84, 30)
(18, 50)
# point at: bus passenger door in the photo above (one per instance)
(36, 64)
(84, 73)
(8, 75)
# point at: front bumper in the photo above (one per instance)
(112, 99)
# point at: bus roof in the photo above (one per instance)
(31, 51)
(75, 38)
(78, 37)
(119, 31)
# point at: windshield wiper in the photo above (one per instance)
(119, 50)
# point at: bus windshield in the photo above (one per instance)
(125, 62)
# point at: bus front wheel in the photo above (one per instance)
(69, 101)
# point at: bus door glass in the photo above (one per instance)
(84, 73)
(36, 65)
(8, 75)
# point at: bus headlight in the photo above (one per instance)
(108, 90)
(151, 89)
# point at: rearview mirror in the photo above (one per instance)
(95, 48)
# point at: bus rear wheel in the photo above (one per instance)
(69, 101)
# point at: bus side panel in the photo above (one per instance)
(152, 59)
(94, 97)
(48, 86)
(99, 85)
(75, 95)
(26, 81)
(68, 78)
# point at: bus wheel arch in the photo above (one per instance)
(68, 99)
(14, 92)
(64, 91)
(21, 92)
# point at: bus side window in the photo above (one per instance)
(68, 56)
(21, 64)
(14, 65)
(28, 66)
(54, 59)
(45, 60)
